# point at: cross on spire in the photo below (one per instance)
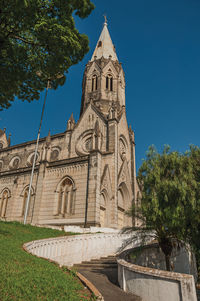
(105, 23)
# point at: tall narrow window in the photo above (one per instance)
(66, 198)
(94, 83)
(24, 201)
(4, 204)
(109, 82)
(25, 197)
(106, 82)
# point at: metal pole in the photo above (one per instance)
(35, 155)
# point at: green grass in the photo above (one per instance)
(26, 277)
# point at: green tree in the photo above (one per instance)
(38, 36)
(168, 201)
(193, 218)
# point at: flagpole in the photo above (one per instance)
(35, 155)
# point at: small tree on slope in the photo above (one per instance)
(168, 200)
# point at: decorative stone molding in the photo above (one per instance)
(65, 170)
(84, 143)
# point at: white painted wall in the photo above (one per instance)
(154, 284)
(69, 250)
(151, 284)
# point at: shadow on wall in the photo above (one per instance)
(182, 259)
(139, 273)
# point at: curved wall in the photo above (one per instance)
(153, 284)
(69, 250)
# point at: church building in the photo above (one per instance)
(86, 175)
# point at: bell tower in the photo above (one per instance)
(103, 81)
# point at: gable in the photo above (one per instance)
(110, 68)
(93, 69)
(82, 135)
(106, 182)
(124, 176)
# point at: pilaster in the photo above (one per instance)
(93, 197)
(113, 147)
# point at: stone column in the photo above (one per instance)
(113, 147)
(93, 217)
(64, 199)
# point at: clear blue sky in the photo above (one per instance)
(158, 43)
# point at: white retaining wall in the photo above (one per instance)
(153, 284)
(69, 250)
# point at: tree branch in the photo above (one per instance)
(25, 41)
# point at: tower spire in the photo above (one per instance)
(104, 47)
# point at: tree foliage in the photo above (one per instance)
(38, 36)
(193, 219)
(169, 196)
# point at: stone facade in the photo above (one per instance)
(86, 175)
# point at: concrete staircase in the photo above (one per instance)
(103, 274)
(102, 263)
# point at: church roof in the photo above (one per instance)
(104, 46)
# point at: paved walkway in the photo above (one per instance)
(103, 274)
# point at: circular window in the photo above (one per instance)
(54, 154)
(88, 144)
(122, 148)
(32, 158)
(16, 163)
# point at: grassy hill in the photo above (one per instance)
(26, 277)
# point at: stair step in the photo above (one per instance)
(94, 266)
(96, 261)
(108, 257)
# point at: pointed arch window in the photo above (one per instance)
(25, 196)
(4, 203)
(66, 198)
(94, 82)
(109, 82)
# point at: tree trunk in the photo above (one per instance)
(167, 261)
(166, 247)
